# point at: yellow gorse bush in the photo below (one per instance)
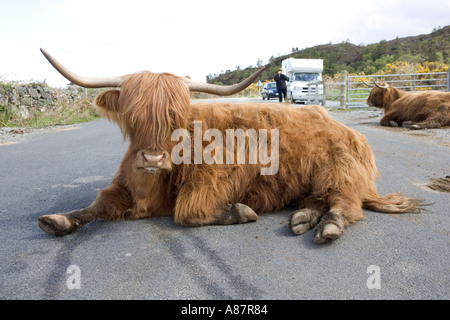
(402, 67)
(399, 67)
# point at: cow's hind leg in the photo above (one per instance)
(328, 221)
(342, 212)
(308, 215)
(330, 227)
(429, 124)
(302, 220)
(439, 118)
(327, 226)
(110, 204)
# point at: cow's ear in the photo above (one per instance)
(107, 104)
(108, 100)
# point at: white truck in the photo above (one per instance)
(301, 72)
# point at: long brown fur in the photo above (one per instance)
(323, 164)
(416, 110)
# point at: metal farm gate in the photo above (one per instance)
(357, 92)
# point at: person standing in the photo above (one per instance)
(281, 79)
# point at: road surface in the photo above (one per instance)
(386, 256)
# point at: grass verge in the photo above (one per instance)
(58, 114)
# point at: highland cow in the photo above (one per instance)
(325, 169)
(414, 110)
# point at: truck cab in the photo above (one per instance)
(302, 72)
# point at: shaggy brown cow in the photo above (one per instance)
(324, 168)
(414, 110)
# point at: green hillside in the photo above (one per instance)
(357, 58)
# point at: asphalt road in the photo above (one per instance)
(383, 257)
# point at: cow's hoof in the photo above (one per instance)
(406, 124)
(55, 224)
(331, 227)
(302, 220)
(243, 213)
(410, 125)
(392, 123)
(237, 213)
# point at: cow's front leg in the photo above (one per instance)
(110, 204)
(390, 119)
(235, 213)
(230, 214)
(385, 121)
(60, 224)
(210, 195)
(200, 204)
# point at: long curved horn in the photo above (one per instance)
(380, 86)
(222, 90)
(83, 81)
(369, 85)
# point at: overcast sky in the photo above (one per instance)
(191, 37)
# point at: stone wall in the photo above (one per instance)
(20, 99)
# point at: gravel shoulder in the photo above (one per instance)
(13, 135)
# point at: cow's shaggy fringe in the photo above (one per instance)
(148, 107)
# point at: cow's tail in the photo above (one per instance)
(393, 203)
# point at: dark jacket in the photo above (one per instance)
(281, 79)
